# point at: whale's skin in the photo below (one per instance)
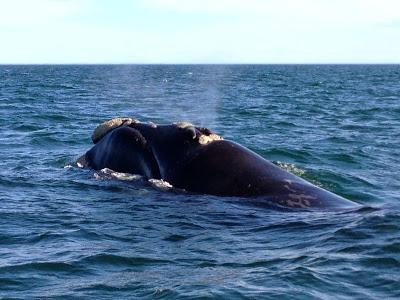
(199, 161)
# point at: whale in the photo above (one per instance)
(197, 160)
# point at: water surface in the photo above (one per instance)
(72, 233)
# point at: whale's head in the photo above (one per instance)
(170, 145)
(174, 144)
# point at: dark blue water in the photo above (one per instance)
(66, 232)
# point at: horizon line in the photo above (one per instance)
(195, 63)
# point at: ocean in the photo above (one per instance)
(71, 233)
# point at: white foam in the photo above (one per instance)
(106, 173)
(160, 184)
(291, 168)
(110, 174)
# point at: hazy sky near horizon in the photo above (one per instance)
(200, 31)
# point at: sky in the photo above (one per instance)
(199, 31)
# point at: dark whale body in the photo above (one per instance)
(197, 160)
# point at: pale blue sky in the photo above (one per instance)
(202, 31)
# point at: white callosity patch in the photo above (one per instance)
(183, 124)
(187, 126)
(205, 139)
(106, 126)
(82, 162)
(152, 125)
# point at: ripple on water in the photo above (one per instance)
(68, 233)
